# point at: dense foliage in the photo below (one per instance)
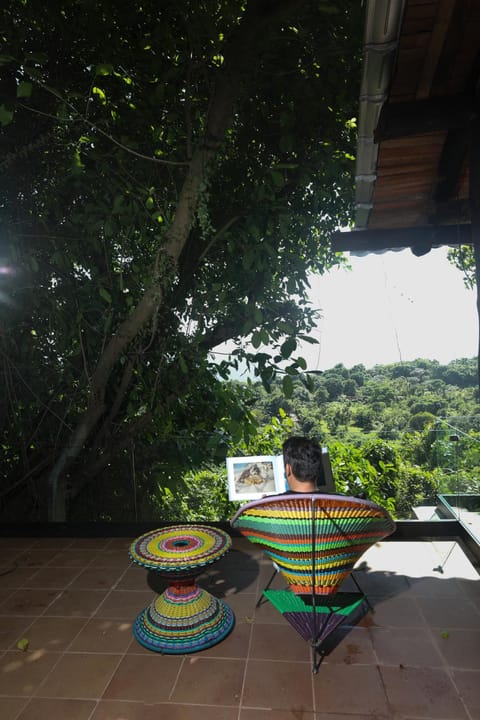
(463, 258)
(397, 434)
(170, 173)
(404, 431)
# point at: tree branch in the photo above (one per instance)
(85, 120)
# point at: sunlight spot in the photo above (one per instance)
(13, 666)
(35, 655)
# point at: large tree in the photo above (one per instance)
(170, 174)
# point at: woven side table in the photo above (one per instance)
(184, 618)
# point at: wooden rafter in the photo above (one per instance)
(399, 120)
(437, 41)
(451, 165)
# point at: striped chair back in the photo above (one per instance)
(315, 539)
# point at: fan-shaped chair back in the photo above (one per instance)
(315, 539)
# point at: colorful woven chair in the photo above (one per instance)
(314, 540)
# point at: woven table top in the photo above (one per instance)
(180, 547)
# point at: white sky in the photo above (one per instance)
(390, 308)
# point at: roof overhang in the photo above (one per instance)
(418, 112)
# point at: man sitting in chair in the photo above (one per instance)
(314, 540)
(303, 460)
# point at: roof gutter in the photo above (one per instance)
(382, 32)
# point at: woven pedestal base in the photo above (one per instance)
(183, 619)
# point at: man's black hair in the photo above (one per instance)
(305, 458)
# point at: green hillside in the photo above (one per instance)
(404, 431)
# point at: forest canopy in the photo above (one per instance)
(397, 434)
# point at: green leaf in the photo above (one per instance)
(287, 385)
(258, 315)
(256, 339)
(285, 327)
(266, 385)
(104, 69)
(24, 89)
(100, 94)
(265, 336)
(6, 59)
(6, 116)
(38, 57)
(149, 203)
(183, 365)
(289, 346)
(308, 338)
(23, 644)
(77, 164)
(105, 295)
(301, 362)
(277, 178)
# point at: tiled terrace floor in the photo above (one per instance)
(417, 655)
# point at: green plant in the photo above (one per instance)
(202, 495)
(355, 475)
(199, 497)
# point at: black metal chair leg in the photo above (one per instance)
(258, 603)
(315, 663)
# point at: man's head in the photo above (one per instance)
(302, 458)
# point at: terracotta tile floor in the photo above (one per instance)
(415, 655)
